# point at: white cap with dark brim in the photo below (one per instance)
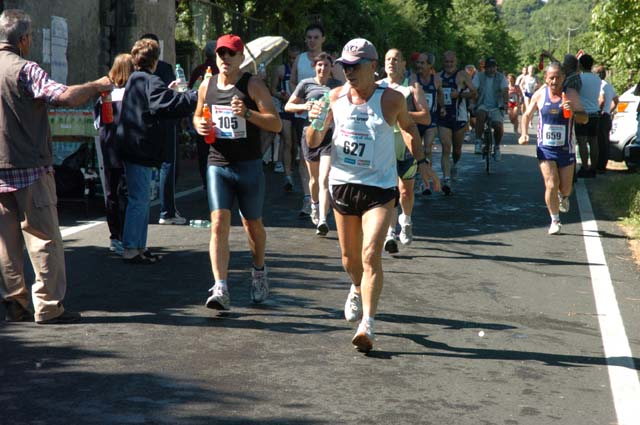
(357, 50)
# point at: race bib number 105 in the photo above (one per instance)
(227, 125)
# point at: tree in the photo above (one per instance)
(616, 39)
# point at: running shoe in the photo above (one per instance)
(555, 227)
(116, 246)
(315, 213)
(446, 188)
(259, 285)
(279, 168)
(178, 219)
(322, 229)
(363, 339)
(305, 211)
(219, 298)
(478, 149)
(564, 203)
(406, 230)
(353, 306)
(497, 156)
(288, 184)
(454, 171)
(390, 244)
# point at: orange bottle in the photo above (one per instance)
(210, 138)
(541, 63)
(565, 112)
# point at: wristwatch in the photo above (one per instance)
(423, 161)
(248, 114)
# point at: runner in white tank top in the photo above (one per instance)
(363, 177)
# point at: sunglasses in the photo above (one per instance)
(350, 68)
(224, 51)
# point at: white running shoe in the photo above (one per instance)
(259, 285)
(315, 213)
(178, 219)
(364, 337)
(219, 298)
(279, 168)
(305, 211)
(564, 203)
(478, 149)
(555, 227)
(353, 306)
(322, 229)
(406, 230)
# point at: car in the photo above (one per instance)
(624, 144)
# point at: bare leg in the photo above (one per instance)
(219, 243)
(551, 178)
(257, 237)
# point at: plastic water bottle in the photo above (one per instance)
(318, 123)
(182, 80)
(200, 223)
(565, 112)
(208, 74)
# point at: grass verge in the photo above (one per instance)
(618, 196)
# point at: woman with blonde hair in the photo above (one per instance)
(114, 179)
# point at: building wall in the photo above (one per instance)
(97, 31)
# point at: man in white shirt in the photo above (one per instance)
(493, 90)
(608, 101)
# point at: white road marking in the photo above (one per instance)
(625, 386)
(68, 231)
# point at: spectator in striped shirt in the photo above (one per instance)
(27, 188)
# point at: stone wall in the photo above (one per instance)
(96, 31)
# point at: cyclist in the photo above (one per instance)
(556, 149)
(493, 91)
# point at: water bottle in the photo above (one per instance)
(208, 74)
(318, 123)
(565, 112)
(182, 80)
(200, 223)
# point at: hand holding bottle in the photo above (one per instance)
(566, 107)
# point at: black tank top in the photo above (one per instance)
(226, 151)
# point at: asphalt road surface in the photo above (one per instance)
(484, 319)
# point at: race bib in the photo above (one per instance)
(446, 92)
(513, 98)
(227, 125)
(429, 98)
(553, 135)
(354, 146)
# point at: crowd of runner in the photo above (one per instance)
(363, 126)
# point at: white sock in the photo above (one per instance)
(367, 320)
(555, 218)
(222, 284)
(404, 219)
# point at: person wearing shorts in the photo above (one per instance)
(318, 160)
(363, 178)
(430, 82)
(492, 89)
(555, 148)
(241, 106)
(394, 66)
(456, 90)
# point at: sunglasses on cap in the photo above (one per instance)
(349, 68)
(224, 51)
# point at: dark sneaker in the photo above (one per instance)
(322, 229)
(390, 244)
(288, 184)
(15, 312)
(65, 318)
(426, 192)
(446, 189)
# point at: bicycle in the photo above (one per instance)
(488, 139)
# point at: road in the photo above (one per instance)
(484, 319)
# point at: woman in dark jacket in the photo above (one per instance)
(147, 101)
(114, 181)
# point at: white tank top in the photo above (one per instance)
(363, 144)
(305, 67)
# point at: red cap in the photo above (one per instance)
(414, 56)
(231, 42)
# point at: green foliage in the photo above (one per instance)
(620, 198)
(617, 40)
